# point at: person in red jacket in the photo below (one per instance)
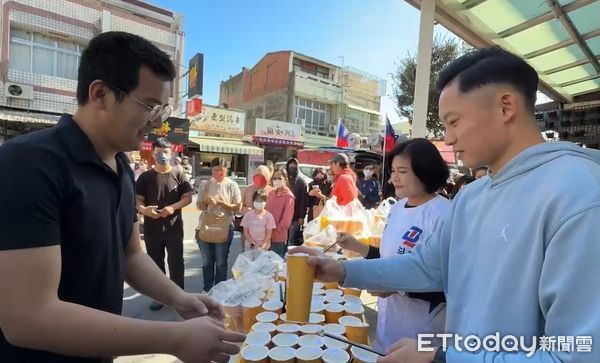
(344, 180)
(280, 203)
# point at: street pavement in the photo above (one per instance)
(136, 305)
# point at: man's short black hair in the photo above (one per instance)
(220, 162)
(116, 58)
(492, 65)
(162, 143)
(425, 161)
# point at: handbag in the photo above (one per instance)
(213, 228)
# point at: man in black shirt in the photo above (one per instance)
(161, 193)
(69, 237)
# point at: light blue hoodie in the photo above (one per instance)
(519, 254)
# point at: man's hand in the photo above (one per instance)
(167, 211)
(327, 269)
(405, 351)
(348, 242)
(150, 212)
(191, 306)
(205, 340)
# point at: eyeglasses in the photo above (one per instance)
(156, 112)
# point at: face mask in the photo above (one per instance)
(292, 170)
(259, 205)
(319, 178)
(161, 158)
(260, 181)
(277, 183)
(368, 173)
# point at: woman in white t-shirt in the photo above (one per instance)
(417, 172)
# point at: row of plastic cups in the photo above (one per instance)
(332, 314)
(320, 288)
(307, 354)
(331, 298)
(272, 328)
(293, 340)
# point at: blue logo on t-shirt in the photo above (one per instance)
(410, 239)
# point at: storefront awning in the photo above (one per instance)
(225, 146)
(280, 142)
(29, 117)
(365, 110)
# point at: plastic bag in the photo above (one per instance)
(323, 239)
(257, 262)
(233, 293)
(350, 218)
(312, 228)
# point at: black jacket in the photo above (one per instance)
(300, 190)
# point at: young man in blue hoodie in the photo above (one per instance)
(518, 255)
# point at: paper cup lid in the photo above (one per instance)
(316, 306)
(334, 308)
(282, 354)
(273, 304)
(258, 338)
(332, 343)
(351, 299)
(354, 308)
(318, 292)
(318, 299)
(334, 292)
(251, 303)
(309, 353)
(363, 355)
(334, 329)
(310, 340)
(318, 285)
(285, 340)
(316, 318)
(303, 255)
(267, 317)
(351, 321)
(335, 355)
(255, 353)
(266, 327)
(288, 328)
(311, 329)
(283, 317)
(336, 299)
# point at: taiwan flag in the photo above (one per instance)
(342, 135)
(390, 136)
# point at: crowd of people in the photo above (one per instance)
(510, 249)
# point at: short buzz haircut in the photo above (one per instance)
(425, 161)
(259, 195)
(116, 58)
(222, 162)
(492, 65)
(162, 143)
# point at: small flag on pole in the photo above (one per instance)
(342, 135)
(390, 136)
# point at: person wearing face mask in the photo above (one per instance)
(369, 188)
(319, 190)
(258, 223)
(219, 196)
(260, 181)
(280, 203)
(161, 193)
(300, 190)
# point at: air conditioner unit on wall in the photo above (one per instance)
(333, 128)
(16, 90)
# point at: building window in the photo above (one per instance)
(40, 54)
(311, 68)
(316, 115)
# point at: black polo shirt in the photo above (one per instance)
(55, 190)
